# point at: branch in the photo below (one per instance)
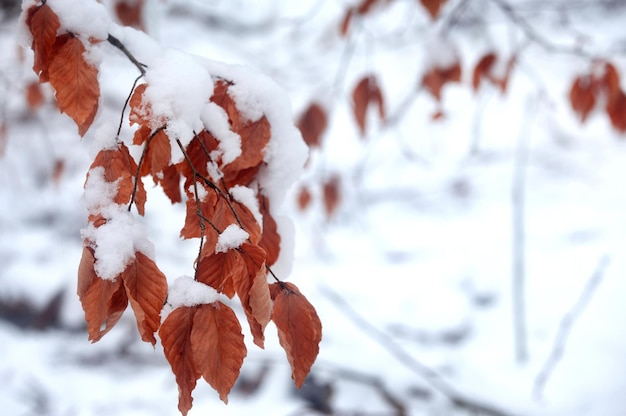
(510, 12)
(565, 328)
(428, 374)
(119, 45)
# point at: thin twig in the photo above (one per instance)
(119, 45)
(565, 328)
(119, 127)
(510, 12)
(428, 374)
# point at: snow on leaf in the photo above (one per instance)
(146, 288)
(270, 238)
(43, 24)
(312, 124)
(139, 112)
(104, 301)
(367, 92)
(175, 334)
(217, 346)
(435, 79)
(75, 82)
(120, 166)
(299, 328)
(231, 238)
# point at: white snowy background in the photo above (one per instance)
(412, 276)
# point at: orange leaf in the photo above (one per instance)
(34, 96)
(43, 23)
(616, 109)
(611, 82)
(312, 124)
(218, 270)
(170, 182)
(436, 78)
(331, 192)
(582, 96)
(139, 112)
(146, 288)
(366, 93)
(104, 301)
(299, 328)
(175, 334)
(130, 13)
(253, 291)
(345, 22)
(75, 82)
(217, 346)
(119, 165)
(432, 6)
(270, 239)
(483, 69)
(304, 198)
(157, 155)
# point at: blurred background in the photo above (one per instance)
(460, 224)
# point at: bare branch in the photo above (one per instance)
(119, 45)
(558, 349)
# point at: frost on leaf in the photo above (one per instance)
(146, 288)
(366, 93)
(299, 328)
(104, 301)
(43, 24)
(75, 81)
(312, 124)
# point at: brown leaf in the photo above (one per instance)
(304, 198)
(140, 112)
(331, 192)
(129, 13)
(43, 24)
(366, 93)
(270, 239)
(146, 288)
(611, 82)
(483, 69)
(157, 155)
(617, 112)
(253, 291)
(299, 328)
(345, 22)
(104, 301)
(175, 334)
(170, 182)
(34, 96)
(432, 6)
(436, 78)
(582, 96)
(219, 270)
(119, 165)
(217, 346)
(312, 124)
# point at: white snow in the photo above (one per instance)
(185, 291)
(232, 237)
(247, 197)
(216, 121)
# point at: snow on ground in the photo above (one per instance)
(421, 249)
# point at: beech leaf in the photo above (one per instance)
(312, 124)
(146, 288)
(299, 328)
(270, 239)
(217, 346)
(175, 334)
(104, 301)
(43, 24)
(75, 82)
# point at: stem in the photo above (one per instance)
(119, 45)
(119, 127)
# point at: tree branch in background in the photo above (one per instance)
(565, 328)
(428, 374)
